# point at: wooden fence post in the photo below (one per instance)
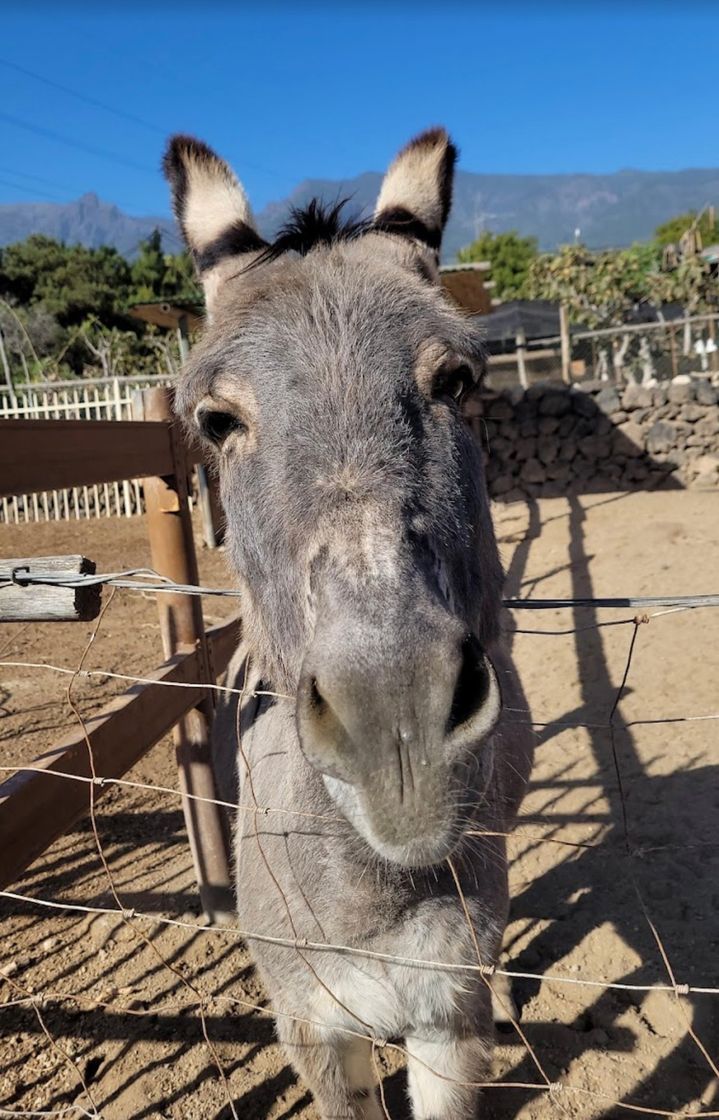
(673, 343)
(173, 554)
(23, 601)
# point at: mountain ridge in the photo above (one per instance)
(609, 209)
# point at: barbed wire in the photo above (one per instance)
(131, 916)
(102, 782)
(250, 692)
(105, 673)
(381, 1044)
(309, 946)
(149, 580)
(627, 841)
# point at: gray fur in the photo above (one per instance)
(359, 526)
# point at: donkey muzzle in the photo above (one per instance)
(387, 734)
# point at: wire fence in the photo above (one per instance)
(656, 349)
(567, 1097)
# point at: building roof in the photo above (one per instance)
(468, 285)
(538, 318)
(161, 313)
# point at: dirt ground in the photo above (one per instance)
(113, 1023)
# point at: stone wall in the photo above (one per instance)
(592, 437)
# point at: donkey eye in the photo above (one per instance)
(217, 426)
(452, 384)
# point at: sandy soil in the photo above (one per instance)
(118, 1012)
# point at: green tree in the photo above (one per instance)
(23, 264)
(670, 233)
(157, 275)
(180, 280)
(510, 257)
(599, 289)
(692, 283)
(65, 309)
(148, 270)
(71, 281)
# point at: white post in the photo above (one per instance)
(564, 342)
(4, 362)
(521, 343)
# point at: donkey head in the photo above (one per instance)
(329, 383)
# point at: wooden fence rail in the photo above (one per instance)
(37, 455)
(70, 453)
(96, 399)
(36, 806)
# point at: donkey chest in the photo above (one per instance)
(394, 997)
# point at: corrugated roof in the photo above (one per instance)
(538, 318)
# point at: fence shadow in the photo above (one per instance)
(678, 808)
(674, 805)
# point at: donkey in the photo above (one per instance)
(330, 382)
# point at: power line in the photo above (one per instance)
(37, 179)
(101, 153)
(32, 191)
(83, 97)
(157, 129)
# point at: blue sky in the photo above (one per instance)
(287, 92)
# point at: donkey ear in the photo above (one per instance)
(212, 210)
(416, 193)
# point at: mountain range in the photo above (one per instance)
(608, 210)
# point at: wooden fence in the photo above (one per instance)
(626, 352)
(35, 807)
(101, 399)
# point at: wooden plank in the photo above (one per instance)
(58, 454)
(32, 602)
(529, 356)
(37, 808)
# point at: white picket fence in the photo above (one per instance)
(101, 399)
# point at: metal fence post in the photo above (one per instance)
(173, 554)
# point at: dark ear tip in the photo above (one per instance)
(435, 134)
(182, 149)
(435, 137)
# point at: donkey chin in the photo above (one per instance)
(406, 792)
(419, 839)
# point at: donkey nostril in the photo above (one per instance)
(472, 685)
(317, 700)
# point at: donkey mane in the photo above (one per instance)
(318, 223)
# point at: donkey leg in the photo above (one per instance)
(338, 1071)
(441, 1069)
(504, 1009)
